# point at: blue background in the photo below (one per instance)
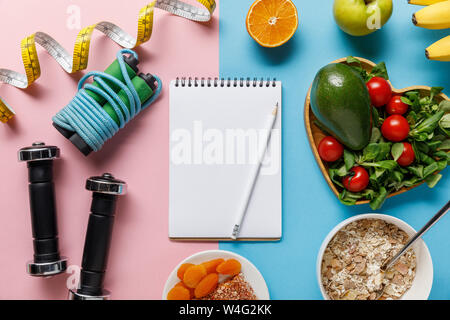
(310, 209)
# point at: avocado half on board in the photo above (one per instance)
(340, 101)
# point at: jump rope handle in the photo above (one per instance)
(145, 84)
(47, 260)
(106, 190)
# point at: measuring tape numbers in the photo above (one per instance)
(6, 113)
(79, 60)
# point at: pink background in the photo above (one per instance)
(141, 256)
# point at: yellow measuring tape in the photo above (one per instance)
(79, 60)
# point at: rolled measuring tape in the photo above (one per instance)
(6, 113)
(79, 60)
(101, 108)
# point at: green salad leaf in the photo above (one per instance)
(379, 199)
(397, 150)
(379, 70)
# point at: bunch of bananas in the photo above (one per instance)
(435, 16)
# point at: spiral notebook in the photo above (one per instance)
(215, 129)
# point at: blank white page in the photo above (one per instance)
(214, 135)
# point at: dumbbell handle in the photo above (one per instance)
(43, 211)
(97, 243)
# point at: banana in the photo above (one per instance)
(439, 50)
(436, 16)
(424, 2)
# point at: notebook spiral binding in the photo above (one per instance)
(222, 82)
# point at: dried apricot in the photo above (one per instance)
(211, 265)
(193, 275)
(179, 293)
(230, 267)
(191, 291)
(182, 269)
(207, 285)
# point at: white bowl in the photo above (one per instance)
(423, 281)
(250, 272)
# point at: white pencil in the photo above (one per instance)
(254, 174)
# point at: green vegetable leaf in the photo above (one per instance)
(376, 135)
(385, 149)
(442, 155)
(386, 164)
(435, 91)
(424, 158)
(431, 181)
(411, 182)
(349, 198)
(445, 145)
(380, 70)
(351, 60)
(444, 105)
(422, 146)
(377, 174)
(430, 169)
(406, 101)
(379, 199)
(356, 64)
(349, 159)
(397, 176)
(442, 164)
(335, 177)
(371, 151)
(414, 98)
(434, 144)
(397, 150)
(428, 125)
(412, 118)
(368, 194)
(416, 170)
(342, 171)
(444, 123)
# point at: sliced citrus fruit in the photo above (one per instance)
(272, 22)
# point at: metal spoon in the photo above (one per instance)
(389, 263)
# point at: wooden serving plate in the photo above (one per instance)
(315, 135)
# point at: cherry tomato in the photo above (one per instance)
(396, 106)
(357, 180)
(380, 91)
(407, 156)
(395, 128)
(330, 149)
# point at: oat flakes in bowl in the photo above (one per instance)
(349, 261)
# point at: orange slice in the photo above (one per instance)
(272, 23)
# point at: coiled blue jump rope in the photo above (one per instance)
(86, 117)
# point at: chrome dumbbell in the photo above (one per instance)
(105, 190)
(47, 260)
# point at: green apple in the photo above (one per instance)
(361, 17)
